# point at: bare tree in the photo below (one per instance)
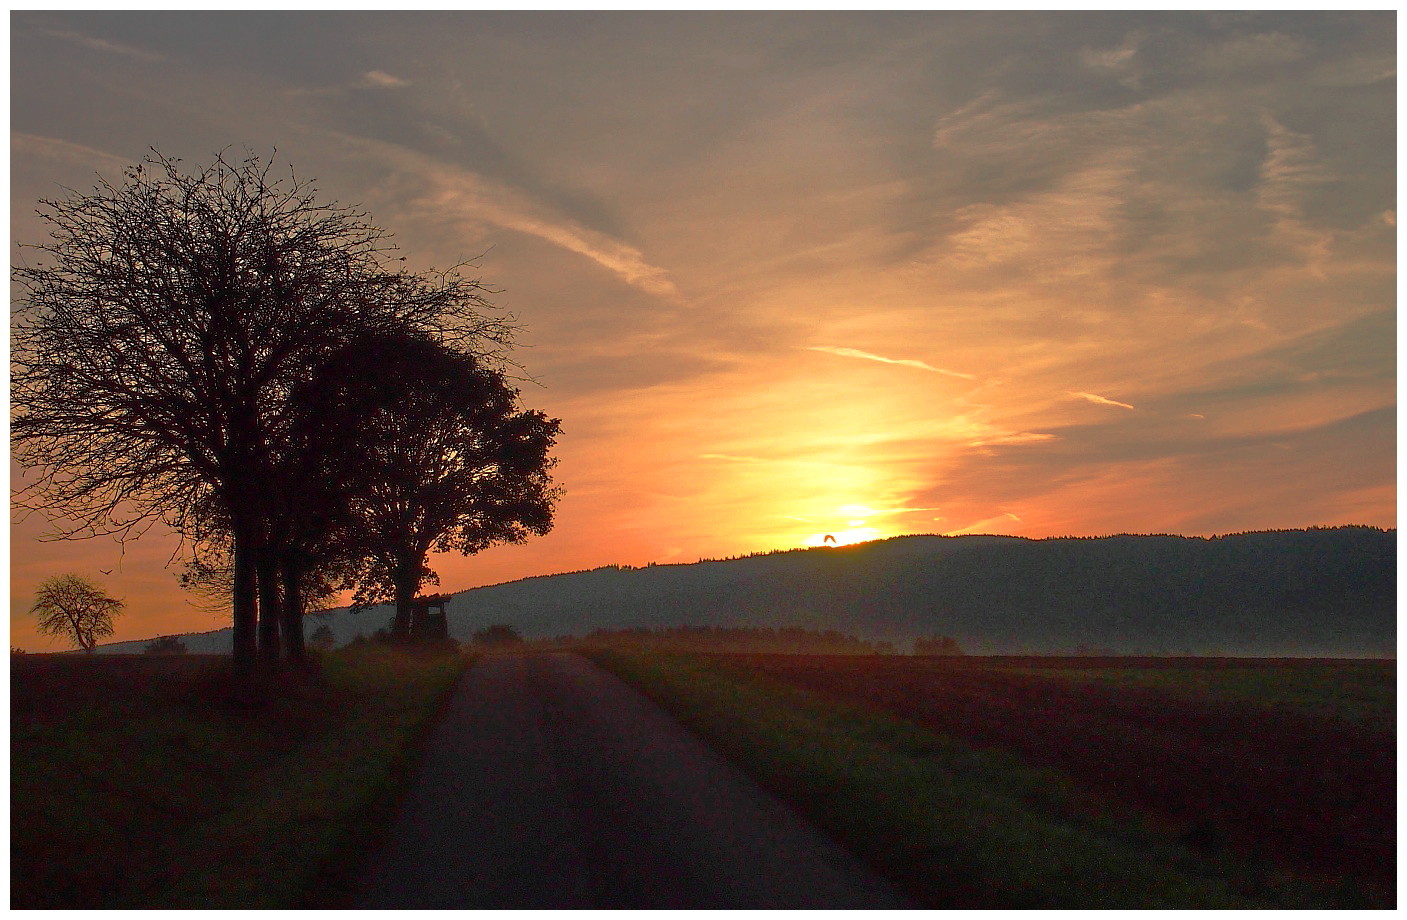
(72, 607)
(160, 329)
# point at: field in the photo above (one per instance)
(1046, 782)
(159, 782)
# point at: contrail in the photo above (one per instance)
(906, 362)
(1100, 400)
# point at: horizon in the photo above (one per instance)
(785, 276)
(626, 567)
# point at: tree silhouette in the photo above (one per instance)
(160, 330)
(444, 460)
(72, 607)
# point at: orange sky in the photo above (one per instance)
(790, 275)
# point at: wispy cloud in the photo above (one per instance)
(1100, 400)
(51, 148)
(868, 356)
(1290, 169)
(1020, 437)
(102, 44)
(380, 79)
(732, 458)
(451, 189)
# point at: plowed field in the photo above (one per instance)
(1303, 782)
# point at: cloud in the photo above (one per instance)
(1020, 437)
(906, 362)
(1287, 173)
(1250, 52)
(1356, 71)
(1116, 61)
(51, 148)
(102, 44)
(381, 80)
(1100, 400)
(453, 190)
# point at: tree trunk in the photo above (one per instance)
(294, 646)
(269, 606)
(244, 602)
(405, 593)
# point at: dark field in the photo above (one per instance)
(1283, 763)
(146, 781)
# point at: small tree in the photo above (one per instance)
(322, 639)
(166, 645)
(72, 607)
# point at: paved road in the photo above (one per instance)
(552, 784)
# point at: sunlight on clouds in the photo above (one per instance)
(1020, 437)
(999, 524)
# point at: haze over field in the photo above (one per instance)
(785, 276)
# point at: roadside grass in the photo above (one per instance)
(164, 783)
(953, 824)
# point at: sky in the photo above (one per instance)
(790, 275)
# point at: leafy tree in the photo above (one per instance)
(444, 460)
(166, 645)
(159, 332)
(72, 607)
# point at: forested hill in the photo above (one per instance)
(1323, 591)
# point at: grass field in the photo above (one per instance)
(1069, 783)
(159, 782)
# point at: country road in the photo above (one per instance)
(552, 784)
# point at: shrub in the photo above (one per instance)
(498, 634)
(166, 645)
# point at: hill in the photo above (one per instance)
(1321, 591)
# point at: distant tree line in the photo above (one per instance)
(1321, 591)
(219, 351)
(785, 640)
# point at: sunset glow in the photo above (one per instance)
(784, 276)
